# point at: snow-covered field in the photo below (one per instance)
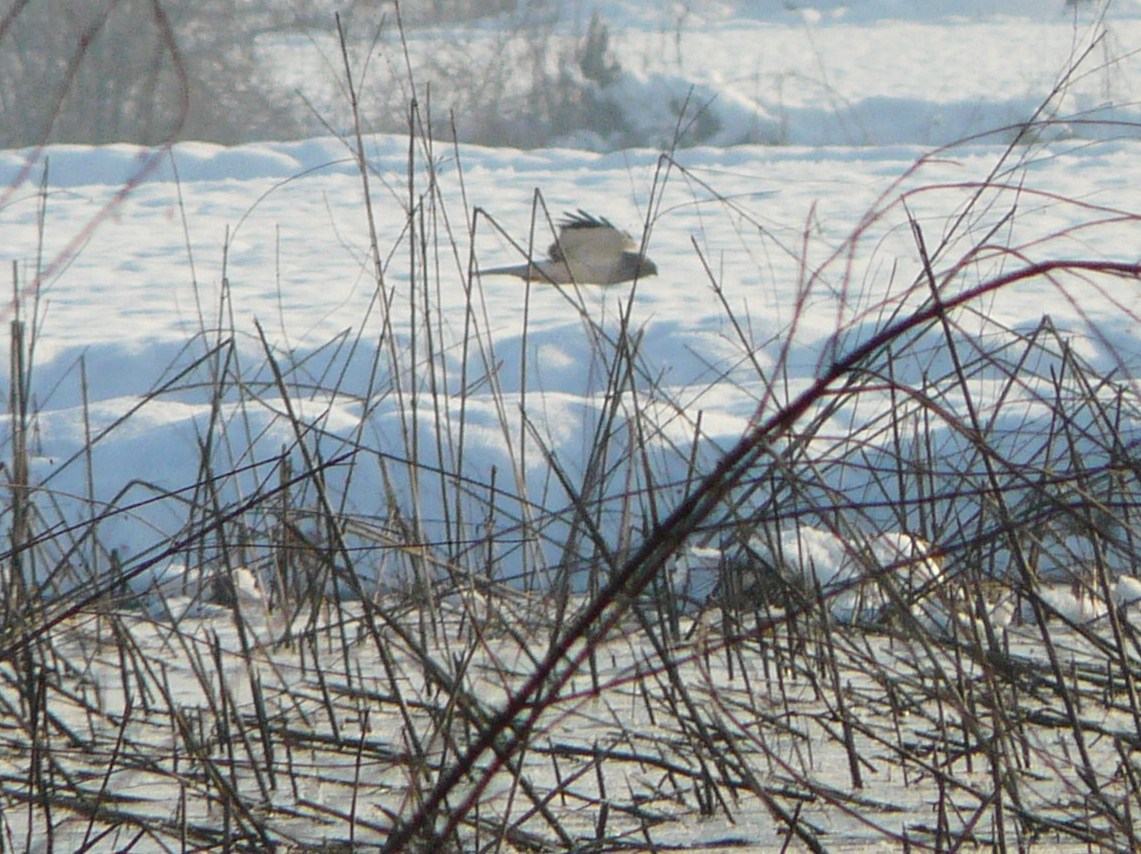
(212, 327)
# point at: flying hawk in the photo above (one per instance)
(589, 250)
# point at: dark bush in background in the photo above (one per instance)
(136, 71)
(149, 72)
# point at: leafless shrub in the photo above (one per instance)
(135, 71)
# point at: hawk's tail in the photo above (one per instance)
(520, 270)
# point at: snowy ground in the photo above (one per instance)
(132, 283)
(311, 736)
(138, 300)
(156, 269)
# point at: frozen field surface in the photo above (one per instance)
(186, 735)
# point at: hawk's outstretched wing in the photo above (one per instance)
(589, 239)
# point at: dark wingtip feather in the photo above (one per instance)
(582, 219)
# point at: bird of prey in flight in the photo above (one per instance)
(589, 250)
